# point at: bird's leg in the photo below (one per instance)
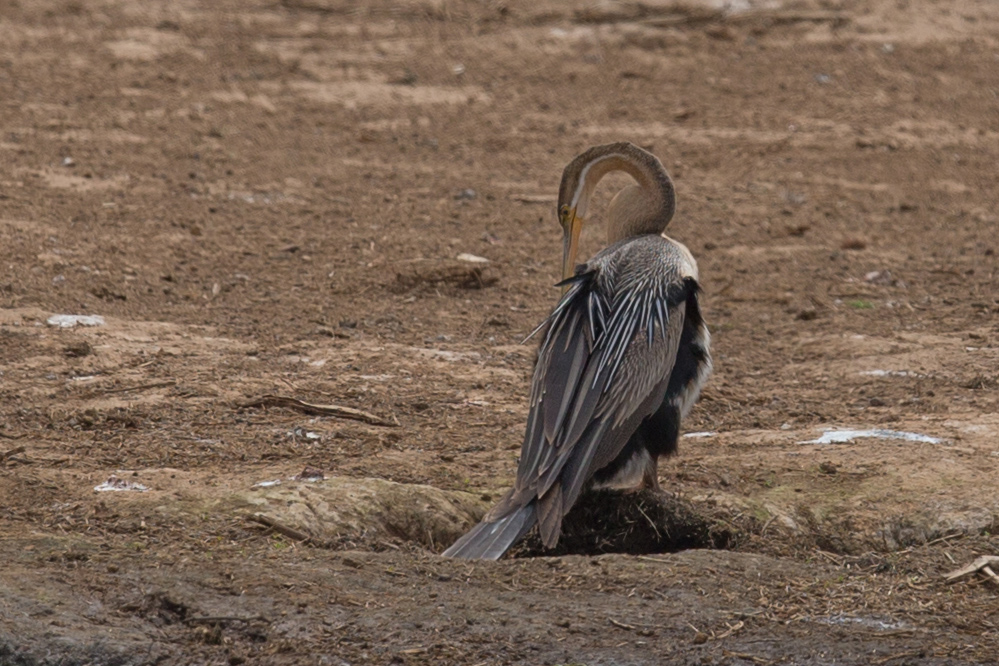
(650, 480)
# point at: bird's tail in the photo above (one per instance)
(489, 540)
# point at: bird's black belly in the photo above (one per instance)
(655, 437)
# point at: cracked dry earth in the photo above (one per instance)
(270, 198)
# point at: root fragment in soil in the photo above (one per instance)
(289, 532)
(635, 523)
(460, 274)
(318, 410)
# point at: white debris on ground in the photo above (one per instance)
(445, 355)
(843, 436)
(879, 277)
(890, 373)
(472, 258)
(308, 475)
(114, 484)
(304, 434)
(698, 435)
(69, 321)
(875, 623)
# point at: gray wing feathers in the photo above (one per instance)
(489, 540)
(603, 366)
(563, 362)
(580, 468)
(643, 365)
(592, 402)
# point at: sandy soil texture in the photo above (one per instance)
(277, 198)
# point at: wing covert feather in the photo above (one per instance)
(603, 366)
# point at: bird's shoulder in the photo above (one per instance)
(642, 261)
(651, 266)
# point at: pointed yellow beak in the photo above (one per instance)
(571, 226)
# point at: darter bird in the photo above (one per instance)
(623, 357)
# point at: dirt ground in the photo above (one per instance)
(269, 198)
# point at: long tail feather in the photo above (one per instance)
(488, 541)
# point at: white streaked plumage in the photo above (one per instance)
(622, 359)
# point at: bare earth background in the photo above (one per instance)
(268, 197)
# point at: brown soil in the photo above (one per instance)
(266, 197)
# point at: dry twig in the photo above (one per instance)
(947, 537)
(535, 198)
(646, 558)
(767, 524)
(732, 628)
(217, 619)
(900, 655)
(774, 17)
(141, 387)
(748, 657)
(779, 16)
(318, 410)
(983, 564)
(13, 452)
(290, 532)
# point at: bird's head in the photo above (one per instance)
(579, 179)
(644, 208)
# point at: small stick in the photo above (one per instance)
(977, 565)
(788, 16)
(141, 387)
(684, 19)
(646, 516)
(946, 537)
(767, 524)
(646, 558)
(224, 618)
(318, 410)
(12, 452)
(987, 570)
(900, 655)
(748, 657)
(622, 625)
(535, 198)
(731, 630)
(290, 532)
(6, 436)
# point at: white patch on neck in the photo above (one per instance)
(582, 179)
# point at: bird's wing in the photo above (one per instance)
(602, 367)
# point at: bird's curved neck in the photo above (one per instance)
(645, 208)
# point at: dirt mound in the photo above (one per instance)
(637, 523)
(343, 512)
